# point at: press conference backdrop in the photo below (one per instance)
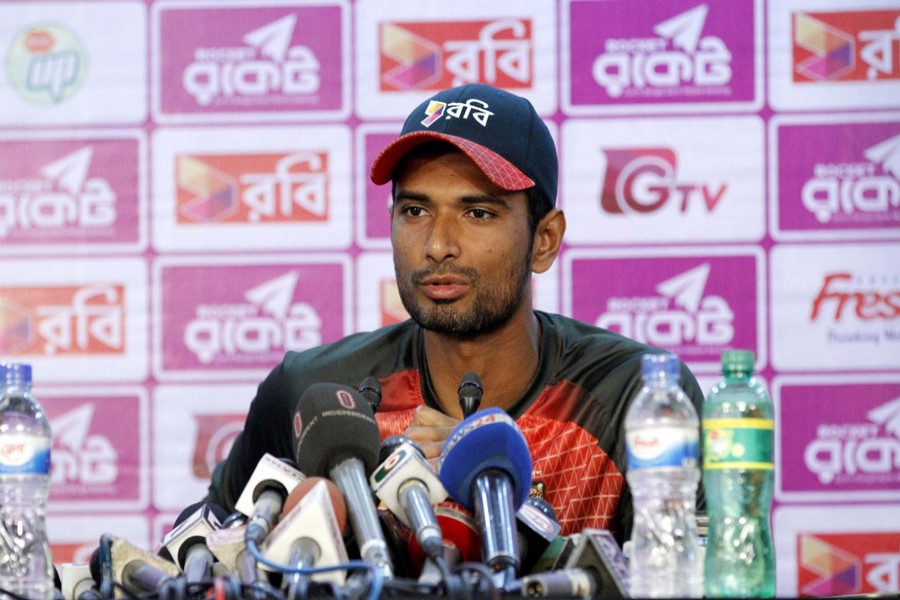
(184, 197)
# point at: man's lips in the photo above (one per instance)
(444, 287)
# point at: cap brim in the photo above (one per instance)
(500, 171)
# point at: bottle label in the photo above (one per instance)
(663, 447)
(738, 444)
(24, 454)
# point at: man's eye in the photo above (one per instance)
(480, 213)
(414, 211)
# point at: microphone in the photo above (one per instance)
(486, 467)
(101, 566)
(599, 553)
(596, 568)
(557, 553)
(229, 546)
(263, 496)
(139, 571)
(309, 534)
(469, 393)
(537, 528)
(370, 388)
(408, 486)
(335, 435)
(186, 543)
(459, 532)
(566, 583)
(77, 583)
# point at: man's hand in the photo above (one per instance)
(430, 429)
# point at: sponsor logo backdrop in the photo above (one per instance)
(184, 197)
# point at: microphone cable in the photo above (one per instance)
(372, 570)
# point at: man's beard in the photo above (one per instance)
(491, 309)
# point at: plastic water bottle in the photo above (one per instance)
(738, 478)
(26, 568)
(662, 433)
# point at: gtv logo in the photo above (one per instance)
(644, 180)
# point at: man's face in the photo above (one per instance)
(462, 246)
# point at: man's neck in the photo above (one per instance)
(505, 360)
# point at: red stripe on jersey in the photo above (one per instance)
(580, 480)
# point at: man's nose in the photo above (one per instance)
(443, 238)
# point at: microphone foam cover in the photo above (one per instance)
(303, 488)
(489, 439)
(333, 422)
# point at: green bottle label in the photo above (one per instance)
(738, 444)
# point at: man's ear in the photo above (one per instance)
(547, 240)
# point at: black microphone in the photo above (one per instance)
(263, 497)
(408, 486)
(186, 543)
(595, 569)
(563, 584)
(370, 388)
(469, 392)
(336, 436)
(537, 528)
(486, 467)
(101, 566)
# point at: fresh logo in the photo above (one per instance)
(857, 297)
(47, 64)
(680, 55)
(644, 180)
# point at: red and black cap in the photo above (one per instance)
(501, 132)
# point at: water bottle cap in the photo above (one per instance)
(15, 373)
(737, 362)
(657, 366)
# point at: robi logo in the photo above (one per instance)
(643, 180)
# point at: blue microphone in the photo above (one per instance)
(486, 467)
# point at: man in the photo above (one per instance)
(474, 175)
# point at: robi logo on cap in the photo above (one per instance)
(477, 109)
(435, 111)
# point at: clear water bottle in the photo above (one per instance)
(26, 568)
(662, 433)
(738, 431)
